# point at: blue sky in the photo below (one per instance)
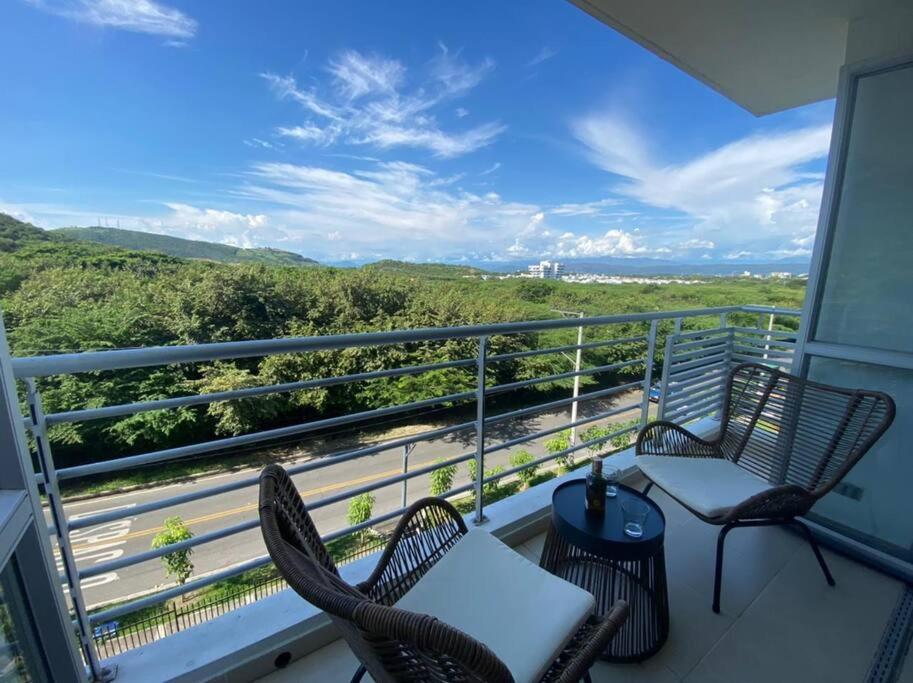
(352, 131)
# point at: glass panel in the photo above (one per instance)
(18, 645)
(866, 295)
(872, 503)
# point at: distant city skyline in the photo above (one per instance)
(491, 134)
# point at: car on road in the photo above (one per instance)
(655, 392)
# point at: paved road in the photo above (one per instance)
(132, 535)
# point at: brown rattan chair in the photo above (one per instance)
(395, 644)
(783, 443)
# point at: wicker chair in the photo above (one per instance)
(395, 644)
(783, 443)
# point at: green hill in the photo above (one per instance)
(182, 248)
(434, 271)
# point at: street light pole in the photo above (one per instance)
(407, 449)
(577, 362)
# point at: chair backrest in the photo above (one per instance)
(790, 430)
(393, 644)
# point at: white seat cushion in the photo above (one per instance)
(709, 486)
(523, 613)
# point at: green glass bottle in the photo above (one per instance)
(596, 489)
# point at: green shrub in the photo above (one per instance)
(360, 509)
(558, 443)
(442, 478)
(526, 475)
(177, 564)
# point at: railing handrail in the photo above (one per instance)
(120, 359)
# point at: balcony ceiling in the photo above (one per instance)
(765, 56)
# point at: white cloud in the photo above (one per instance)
(751, 192)
(543, 55)
(594, 208)
(140, 16)
(461, 112)
(261, 144)
(369, 104)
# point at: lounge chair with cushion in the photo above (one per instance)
(783, 443)
(443, 603)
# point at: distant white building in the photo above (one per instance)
(546, 270)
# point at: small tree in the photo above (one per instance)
(492, 486)
(177, 564)
(593, 433)
(442, 479)
(526, 475)
(624, 440)
(558, 443)
(360, 509)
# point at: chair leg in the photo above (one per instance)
(586, 678)
(718, 575)
(359, 674)
(814, 544)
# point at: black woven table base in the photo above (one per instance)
(642, 583)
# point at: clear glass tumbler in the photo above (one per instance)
(634, 515)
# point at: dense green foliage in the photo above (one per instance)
(441, 479)
(60, 295)
(184, 248)
(177, 564)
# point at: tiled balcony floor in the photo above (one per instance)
(780, 622)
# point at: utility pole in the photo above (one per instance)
(577, 362)
(407, 449)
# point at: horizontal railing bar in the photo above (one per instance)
(255, 563)
(589, 396)
(177, 591)
(137, 558)
(552, 430)
(681, 377)
(710, 333)
(182, 401)
(757, 353)
(774, 334)
(326, 461)
(219, 444)
(741, 357)
(560, 454)
(696, 384)
(693, 397)
(119, 359)
(703, 361)
(776, 310)
(678, 359)
(388, 481)
(501, 388)
(704, 407)
(564, 349)
(701, 343)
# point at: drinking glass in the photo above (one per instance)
(634, 515)
(612, 476)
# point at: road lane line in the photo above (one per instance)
(253, 506)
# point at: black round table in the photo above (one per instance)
(593, 552)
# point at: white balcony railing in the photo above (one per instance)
(695, 365)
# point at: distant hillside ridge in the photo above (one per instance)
(434, 271)
(184, 248)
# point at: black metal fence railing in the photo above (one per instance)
(115, 637)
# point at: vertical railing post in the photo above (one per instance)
(577, 360)
(648, 374)
(724, 321)
(667, 361)
(39, 430)
(480, 427)
(407, 449)
(770, 327)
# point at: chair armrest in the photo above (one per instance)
(426, 531)
(668, 438)
(788, 500)
(589, 642)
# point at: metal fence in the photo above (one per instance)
(112, 638)
(31, 369)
